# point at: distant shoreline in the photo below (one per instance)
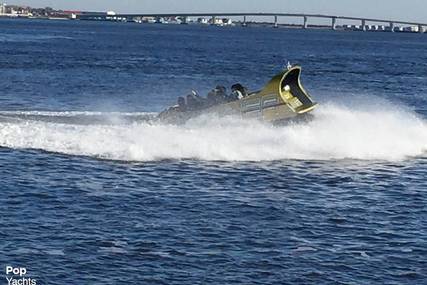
(235, 24)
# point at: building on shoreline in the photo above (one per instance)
(382, 28)
(14, 10)
(221, 22)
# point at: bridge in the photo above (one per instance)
(334, 19)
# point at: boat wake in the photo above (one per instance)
(5, 37)
(335, 132)
(76, 117)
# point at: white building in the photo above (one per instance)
(227, 22)
(203, 21)
(351, 27)
(221, 21)
(215, 21)
(2, 8)
(150, 20)
(411, 29)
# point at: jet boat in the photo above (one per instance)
(283, 98)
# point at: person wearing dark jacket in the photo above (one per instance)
(238, 91)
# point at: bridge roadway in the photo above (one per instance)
(333, 18)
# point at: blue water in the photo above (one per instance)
(91, 193)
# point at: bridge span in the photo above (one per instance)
(334, 19)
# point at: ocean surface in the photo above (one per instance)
(93, 193)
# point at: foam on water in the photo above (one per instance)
(336, 132)
(70, 113)
(4, 37)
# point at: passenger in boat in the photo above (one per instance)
(211, 98)
(221, 92)
(195, 101)
(191, 102)
(182, 106)
(238, 91)
(217, 96)
(201, 102)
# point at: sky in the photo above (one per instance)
(409, 10)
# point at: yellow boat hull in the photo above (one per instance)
(282, 98)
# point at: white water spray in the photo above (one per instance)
(336, 132)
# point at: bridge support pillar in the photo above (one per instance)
(276, 24)
(392, 27)
(305, 26)
(334, 23)
(364, 25)
(420, 29)
(244, 22)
